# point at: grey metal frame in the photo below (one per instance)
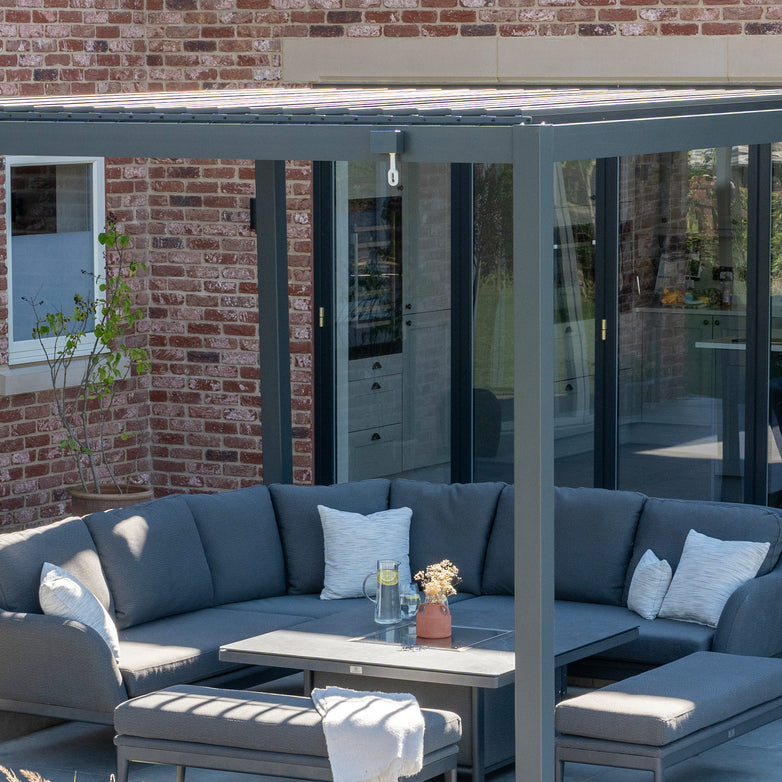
(574, 129)
(275, 379)
(268, 765)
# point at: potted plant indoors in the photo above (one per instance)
(438, 581)
(88, 356)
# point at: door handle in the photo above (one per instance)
(375, 386)
(375, 436)
(377, 365)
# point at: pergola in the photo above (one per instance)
(528, 128)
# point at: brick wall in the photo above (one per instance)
(471, 18)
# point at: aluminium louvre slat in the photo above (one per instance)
(409, 105)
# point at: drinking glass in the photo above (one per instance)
(410, 598)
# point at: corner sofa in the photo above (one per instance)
(184, 574)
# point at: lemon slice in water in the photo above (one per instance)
(387, 577)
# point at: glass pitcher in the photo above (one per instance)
(386, 600)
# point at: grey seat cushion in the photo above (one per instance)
(66, 543)
(659, 641)
(153, 559)
(450, 521)
(310, 606)
(498, 568)
(249, 720)
(667, 703)
(296, 508)
(242, 543)
(594, 534)
(664, 525)
(185, 648)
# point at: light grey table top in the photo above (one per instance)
(335, 644)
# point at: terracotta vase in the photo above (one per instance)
(84, 502)
(433, 620)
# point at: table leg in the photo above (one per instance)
(308, 682)
(478, 708)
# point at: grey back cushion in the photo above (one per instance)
(498, 568)
(296, 508)
(664, 525)
(242, 543)
(594, 530)
(153, 559)
(65, 543)
(450, 521)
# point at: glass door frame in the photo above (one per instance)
(758, 328)
(324, 293)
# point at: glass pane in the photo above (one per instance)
(393, 267)
(574, 323)
(51, 240)
(775, 388)
(493, 326)
(682, 323)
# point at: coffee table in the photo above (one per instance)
(475, 680)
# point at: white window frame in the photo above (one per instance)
(28, 350)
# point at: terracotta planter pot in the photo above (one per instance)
(433, 620)
(84, 502)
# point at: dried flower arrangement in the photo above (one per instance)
(438, 581)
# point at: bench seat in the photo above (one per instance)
(261, 733)
(663, 716)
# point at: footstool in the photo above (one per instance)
(262, 733)
(663, 716)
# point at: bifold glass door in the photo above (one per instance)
(682, 323)
(393, 321)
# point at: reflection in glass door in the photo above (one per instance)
(393, 320)
(574, 326)
(775, 383)
(574, 322)
(682, 323)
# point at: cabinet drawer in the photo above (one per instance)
(375, 452)
(374, 402)
(364, 368)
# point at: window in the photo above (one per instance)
(57, 209)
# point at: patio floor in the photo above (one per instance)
(86, 751)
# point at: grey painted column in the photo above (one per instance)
(533, 283)
(273, 331)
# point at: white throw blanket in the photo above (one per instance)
(371, 736)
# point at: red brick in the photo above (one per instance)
(669, 28)
(596, 29)
(763, 28)
(715, 28)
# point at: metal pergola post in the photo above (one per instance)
(274, 359)
(533, 300)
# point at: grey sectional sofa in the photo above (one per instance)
(184, 574)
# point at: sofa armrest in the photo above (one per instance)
(751, 622)
(57, 662)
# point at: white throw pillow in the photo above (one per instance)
(353, 543)
(650, 582)
(709, 572)
(62, 594)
